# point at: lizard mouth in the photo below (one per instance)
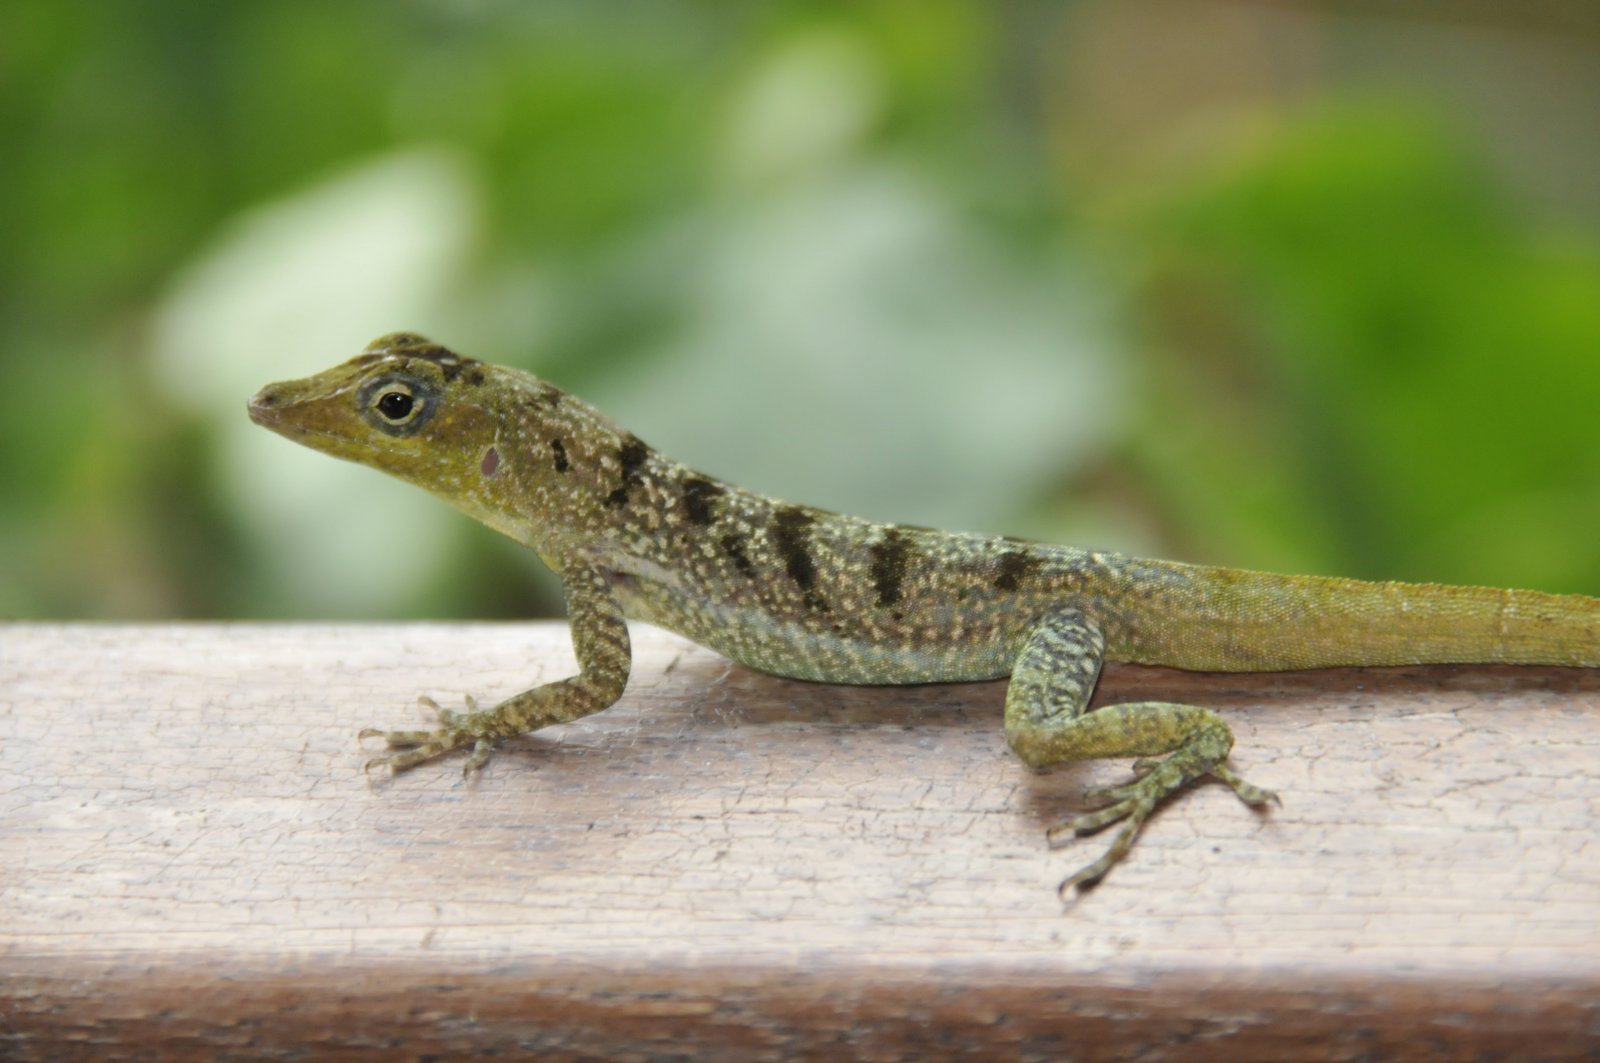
(261, 404)
(267, 409)
(263, 407)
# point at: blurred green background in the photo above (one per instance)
(1303, 286)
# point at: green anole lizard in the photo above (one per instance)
(808, 594)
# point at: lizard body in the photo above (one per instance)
(808, 594)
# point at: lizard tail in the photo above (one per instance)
(1220, 619)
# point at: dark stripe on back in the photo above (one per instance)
(790, 526)
(631, 457)
(699, 496)
(791, 532)
(889, 556)
(1015, 565)
(734, 546)
(559, 449)
(541, 395)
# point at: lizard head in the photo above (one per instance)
(409, 407)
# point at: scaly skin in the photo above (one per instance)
(801, 592)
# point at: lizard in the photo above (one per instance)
(808, 594)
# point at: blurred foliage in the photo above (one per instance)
(1405, 374)
(1271, 285)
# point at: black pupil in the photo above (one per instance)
(395, 405)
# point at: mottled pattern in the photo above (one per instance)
(699, 499)
(805, 593)
(888, 569)
(1047, 721)
(631, 458)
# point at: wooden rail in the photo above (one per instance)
(727, 866)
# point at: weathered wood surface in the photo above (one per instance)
(729, 866)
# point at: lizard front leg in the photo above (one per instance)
(600, 639)
(1047, 722)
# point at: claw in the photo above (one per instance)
(1090, 822)
(1132, 812)
(447, 717)
(1132, 804)
(1251, 794)
(1100, 796)
(1091, 874)
(415, 747)
(479, 756)
(399, 739)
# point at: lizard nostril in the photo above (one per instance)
(261, 402)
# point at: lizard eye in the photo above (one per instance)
(399, 404)
(395, 406)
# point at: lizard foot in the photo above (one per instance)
(1132, 803)
(455, 730)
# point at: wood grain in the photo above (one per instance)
(730, 866)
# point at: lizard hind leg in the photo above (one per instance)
(1047, 722)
